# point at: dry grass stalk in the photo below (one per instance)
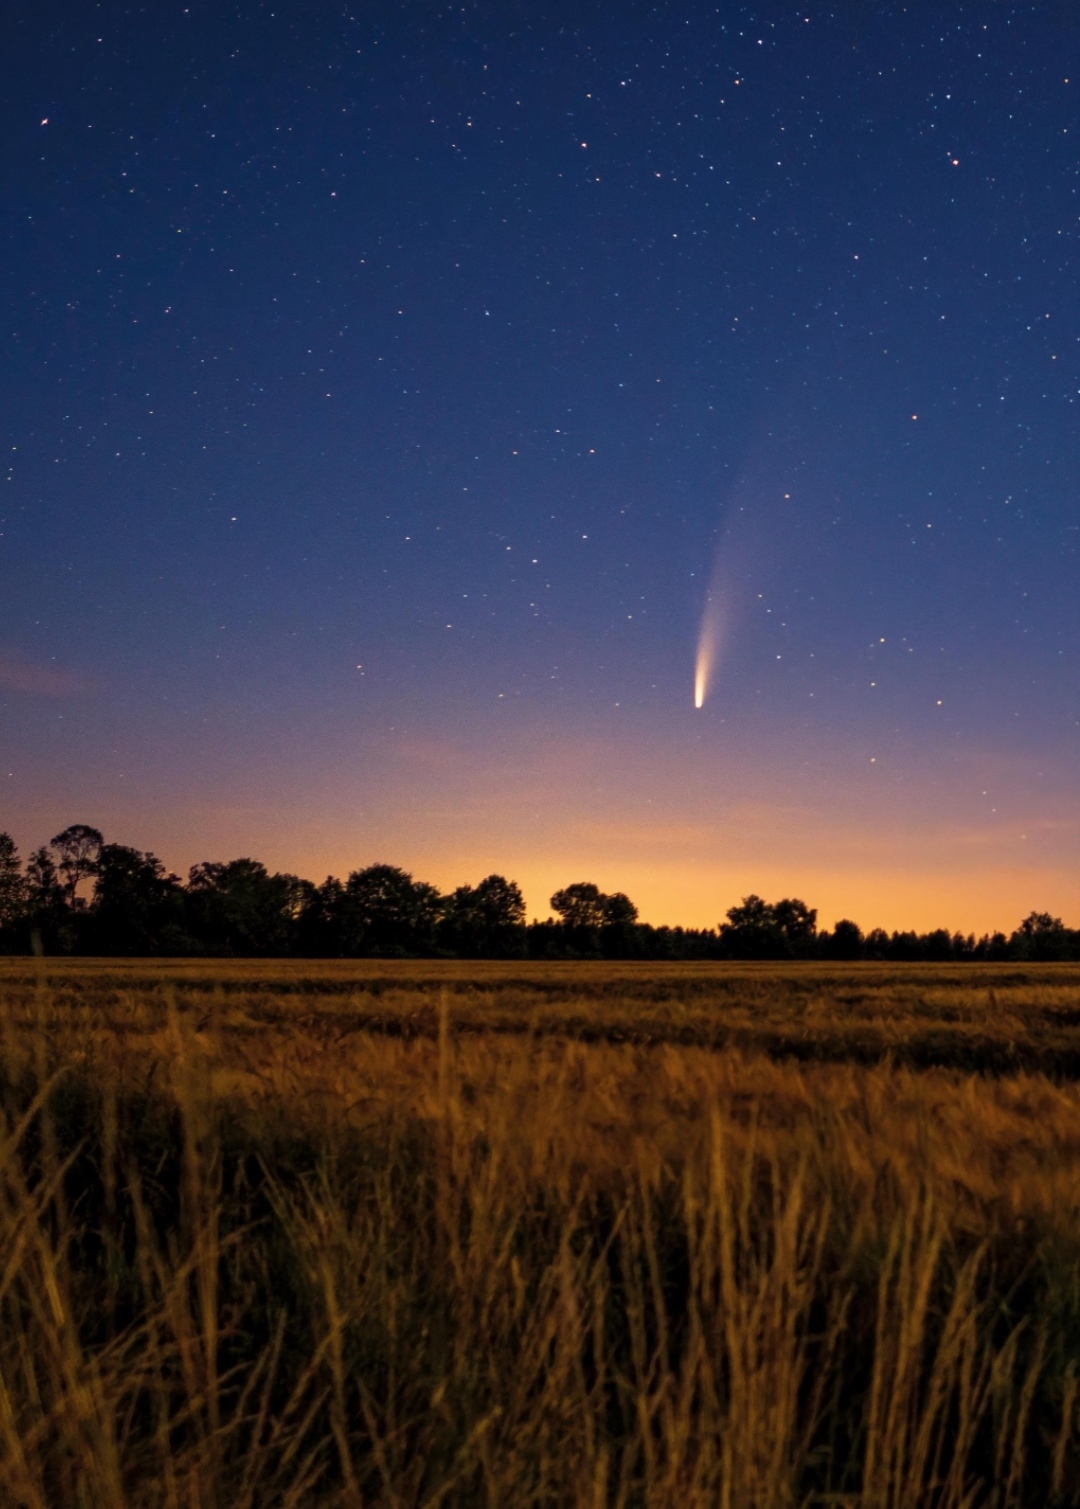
(264, 1267)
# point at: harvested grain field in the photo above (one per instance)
(425, 1233)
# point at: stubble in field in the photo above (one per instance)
(418, 1235)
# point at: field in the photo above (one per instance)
(441, 1234)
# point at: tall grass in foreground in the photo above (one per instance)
(522, 1273)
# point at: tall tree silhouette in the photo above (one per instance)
(758, 929)
(579, 905)
(383, 910)
(1041, 936)
(845, 941)
(240, 908)
(136, 904)
(593, 922)
(76, 849)
(12, 885)
(485, 920)
(47, 912)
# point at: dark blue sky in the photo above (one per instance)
(386, 388)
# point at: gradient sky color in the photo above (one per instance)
(388, 391)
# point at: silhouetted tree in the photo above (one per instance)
(76, 851)
(996, 947)
(47, 914)
(750, 931)
(486, 921)
(620, 936)
(876, 944)
(317, 923)
(618, 910)
(936, 947)
(1041, 936)
(580, 905)
(844, 942)
(592, 922)
(240, 908)
(797, 925)
(382, 910)
(758, 929)
(137, 907)
(545, 940)
(12, 893)
(905, 947)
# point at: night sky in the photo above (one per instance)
(394, 397)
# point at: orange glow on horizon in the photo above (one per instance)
(685, 827)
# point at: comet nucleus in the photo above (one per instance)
(708, 648)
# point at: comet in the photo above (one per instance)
(710, 642)
(749, 529)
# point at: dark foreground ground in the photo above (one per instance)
(419, 1234)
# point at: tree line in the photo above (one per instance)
(78, 894)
